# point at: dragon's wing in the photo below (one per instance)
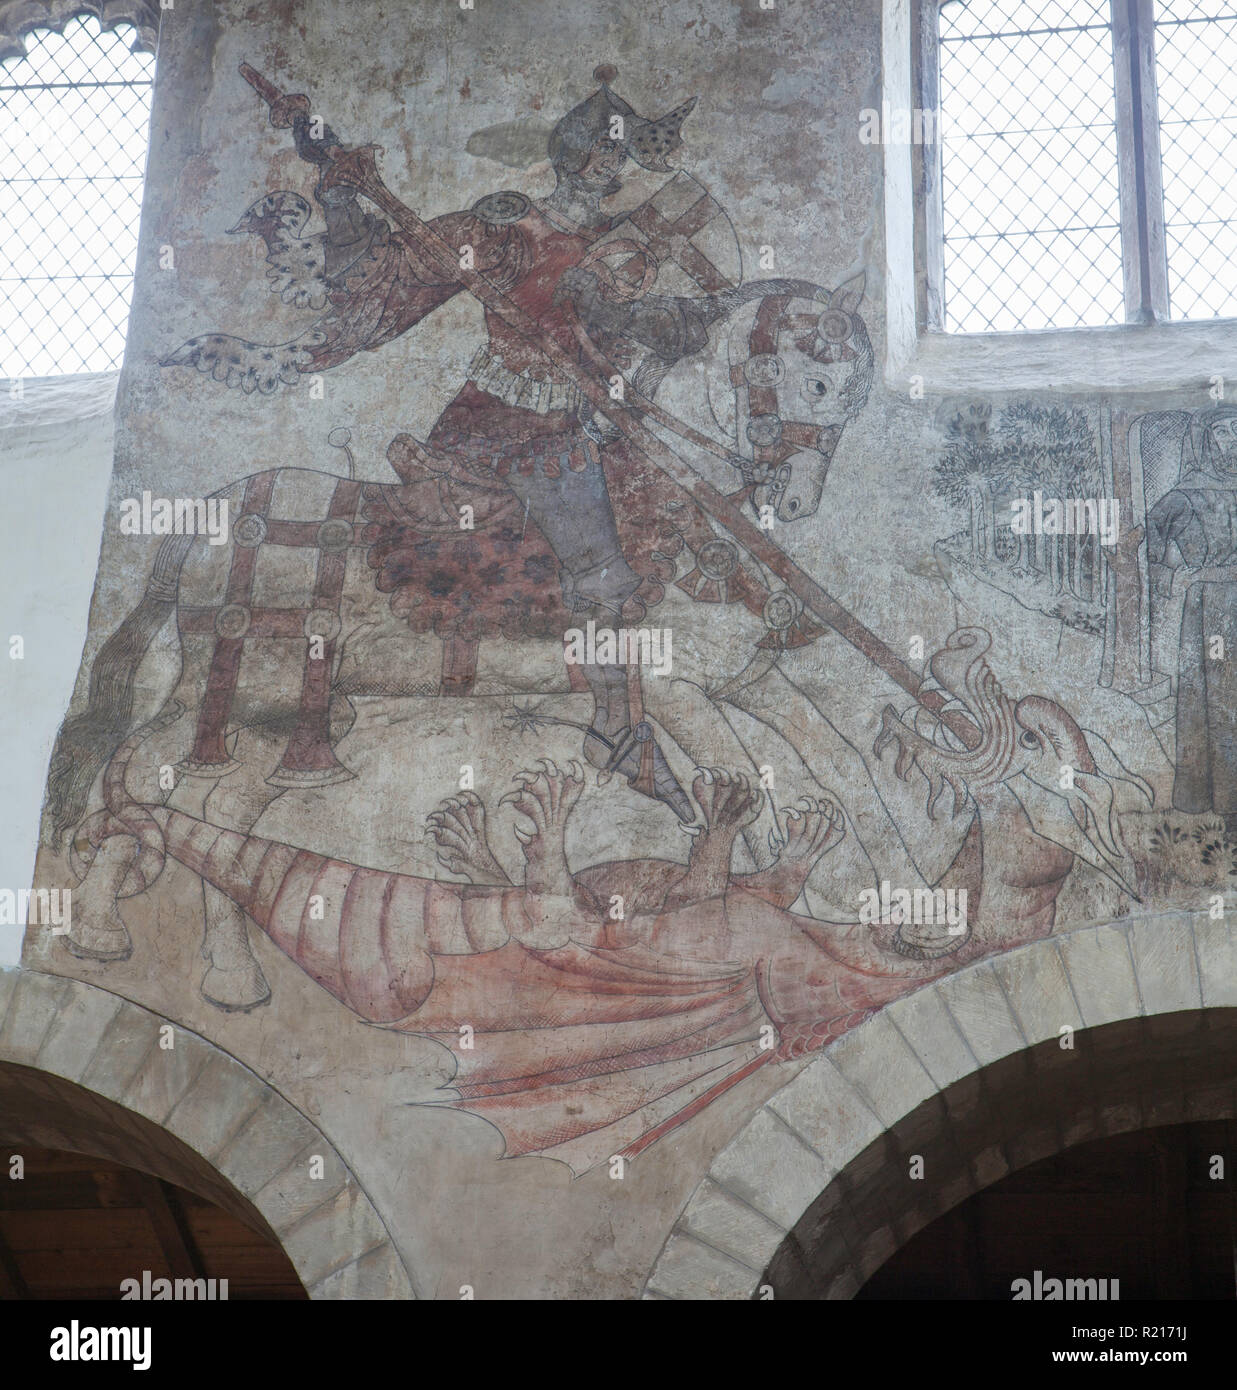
(579, 1053)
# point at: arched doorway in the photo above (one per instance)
(76, 1226)
(1152, 1213)
(1096, 1032)
(84, 1071)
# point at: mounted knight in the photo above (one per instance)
(573, 295)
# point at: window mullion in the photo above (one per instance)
(1138, 161)
(930, 225)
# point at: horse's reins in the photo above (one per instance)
(642, 403)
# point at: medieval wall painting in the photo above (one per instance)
(603, 691)
(1149, 612)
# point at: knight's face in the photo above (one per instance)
(599, 175)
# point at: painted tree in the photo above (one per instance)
(962, 473)
(1029, 446)
(1055, 449)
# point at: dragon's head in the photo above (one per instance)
(1067, 779)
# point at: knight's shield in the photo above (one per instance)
(677, 241)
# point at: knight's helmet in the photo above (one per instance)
(647, 142)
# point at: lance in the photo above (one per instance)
(357, 168)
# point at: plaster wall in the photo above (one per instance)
(527, 1200)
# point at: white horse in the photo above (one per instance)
(268, 663)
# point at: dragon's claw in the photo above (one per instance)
(811, 828)
(728, 799)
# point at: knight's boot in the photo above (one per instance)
(624, 753)
(612, 745)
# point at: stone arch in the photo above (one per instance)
(86, 1072)
(813, 1195)
(20, 17)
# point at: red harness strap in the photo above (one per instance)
(231, 622)
(309, 759)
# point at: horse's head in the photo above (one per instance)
(800, 367)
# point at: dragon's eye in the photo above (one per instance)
(1029, 740)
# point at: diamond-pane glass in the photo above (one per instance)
(73, 125)
(1032, 217)
(1196, 68)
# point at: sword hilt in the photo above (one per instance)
(284, 107)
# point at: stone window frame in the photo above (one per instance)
(19, 18)
(1148, 353)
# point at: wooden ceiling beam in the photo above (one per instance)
(12, 1285)
(171, 1229)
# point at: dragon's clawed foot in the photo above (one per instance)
(545, 800)
(457, 828)
(728, 800)
(809, 829)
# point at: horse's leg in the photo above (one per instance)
(97, 930)
(233, 978)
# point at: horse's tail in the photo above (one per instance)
(87, 740)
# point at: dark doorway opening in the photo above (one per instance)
(1146, 1208)
(75, 1226)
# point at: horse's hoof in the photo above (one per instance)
(99, 937)
(236, 988)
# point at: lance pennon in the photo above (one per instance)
(624, 646)
(933, 907)
(175, 516)
(1038, 515)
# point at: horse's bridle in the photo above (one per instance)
(758, 421)
(765, 440)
